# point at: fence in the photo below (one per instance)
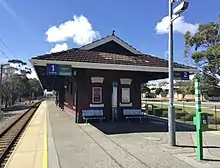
(185, 111)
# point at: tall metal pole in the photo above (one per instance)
(199, 140)
(171, 114)
(1, 89)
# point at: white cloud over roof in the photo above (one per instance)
(59, 47)
(179, 25)
(79, 29)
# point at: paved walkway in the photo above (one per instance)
(29, 152)
(103, 145)
(87, 146)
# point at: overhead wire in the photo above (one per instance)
(3, 53)
(5, 45)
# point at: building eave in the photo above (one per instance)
(87, 65)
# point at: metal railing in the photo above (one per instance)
(185, 111)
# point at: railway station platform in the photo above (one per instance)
(53, 140)
(30, 150)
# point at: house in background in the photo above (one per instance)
(105, 75)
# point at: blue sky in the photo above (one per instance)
(24, 24)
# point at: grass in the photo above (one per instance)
(214, 127)
(186, 114)
(181, 108)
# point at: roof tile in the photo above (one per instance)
(76, 55)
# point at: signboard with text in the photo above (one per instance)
(58, 69)
(181, 75)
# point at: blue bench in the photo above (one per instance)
(133, 113)
(92, 114)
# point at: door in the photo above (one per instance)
(114, 101)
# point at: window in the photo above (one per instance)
(96, 95)
(125, 95)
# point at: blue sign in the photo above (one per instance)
(181, 75)
(52, 69)
(57, 69)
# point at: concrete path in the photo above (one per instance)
(103, 145)
(86, 145)
(30, 151)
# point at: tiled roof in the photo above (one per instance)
(76, 55)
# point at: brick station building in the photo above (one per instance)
(97, 68)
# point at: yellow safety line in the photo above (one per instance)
(45, 156)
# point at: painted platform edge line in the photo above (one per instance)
(45, 154)
(22, 137)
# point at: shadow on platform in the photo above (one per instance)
(193, 146)
(211, 160)
(124, 127)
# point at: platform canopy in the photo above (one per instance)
(109, 53)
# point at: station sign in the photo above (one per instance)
(181, 75)
(58, 69)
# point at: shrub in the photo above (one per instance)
(189, 117)
(181, 115)
(164, 93)
(159, 112)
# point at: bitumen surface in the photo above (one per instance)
(124, 144)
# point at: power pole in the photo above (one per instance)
(1, 89)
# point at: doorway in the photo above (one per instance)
(114, 101)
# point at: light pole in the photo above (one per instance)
(1, 76)
(1, 68)
(171, 113)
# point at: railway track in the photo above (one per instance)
(10, 136)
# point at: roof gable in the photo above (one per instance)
(108, 39)
(112, 47)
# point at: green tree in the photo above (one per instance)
(35, 88)
(158, 91)
(185, 87)
(204, 48)
(145, 88)
(15, 81)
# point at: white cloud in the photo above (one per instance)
(166, 54)
(179, 26)
(3, 60)
(80, 29)
(59, 47)
(32, 75)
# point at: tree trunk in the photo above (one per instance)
(13, 100)
(6, 102)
